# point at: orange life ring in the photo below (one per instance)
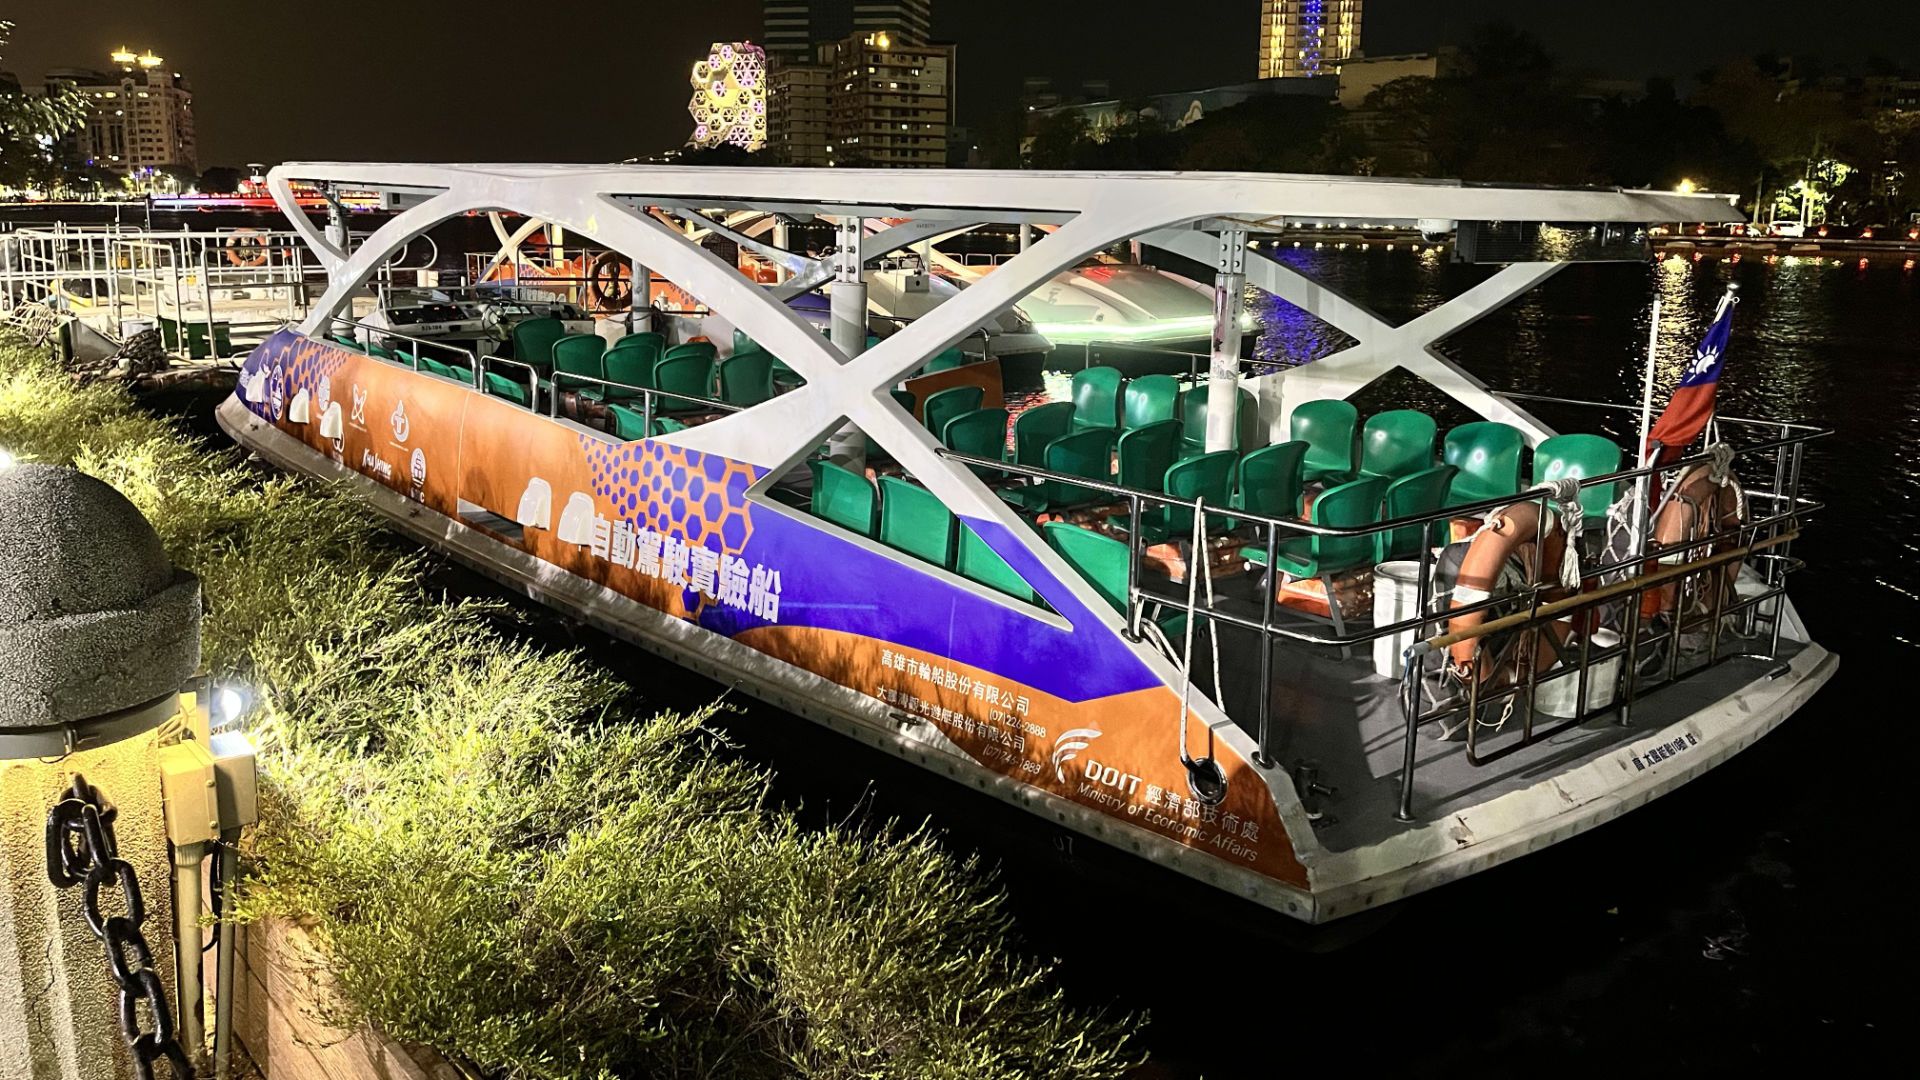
(247, 247)
(1511, 536)
(1698, 507)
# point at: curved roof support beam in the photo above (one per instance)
(347, 276)
(1381, 346)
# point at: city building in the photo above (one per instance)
(892, 102)
(1182, 107)
(142, 117)
(794, 30)
(729, 105)
(1359, 76)
(1305, 38)
(800, 114)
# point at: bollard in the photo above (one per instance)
(98, 633)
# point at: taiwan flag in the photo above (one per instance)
(1691, 406)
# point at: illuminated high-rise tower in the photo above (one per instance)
(1307, 37)
(794, 28)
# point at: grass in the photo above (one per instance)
(502, 861)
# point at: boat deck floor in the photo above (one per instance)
(1345, 723)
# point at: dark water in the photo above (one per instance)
(1751, 919)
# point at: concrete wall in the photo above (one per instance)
(59, 1008)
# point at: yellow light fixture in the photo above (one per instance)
(1687, 187)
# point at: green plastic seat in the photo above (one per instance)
(743, 343)
(630, 365)
(1487, 453)
(845, 498)
(747, 378)
(1150, 399)
(499, 385)
(1102, 560)
(1345, 506)
(1207, 476)
(1425, 492)
(1096, 398)
(579, 354)
(651, 339)
(345, 340)
(534, 339)
(1326, 426)
(1396, 443)
(913, 520)
(379, 351)
(693, 348)
(1146, 453)
(1269, 480)
(689, 374)
(1581, 457)
(980, 433)
(1036, 428)
(1087, 454)
(443, 370)
(630, 424)
(944, 405)
(979, 563)
(1193, 421)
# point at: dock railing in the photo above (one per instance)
(1763, 541)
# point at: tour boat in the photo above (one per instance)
(1320, 660)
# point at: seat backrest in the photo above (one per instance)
(628, 424)
(977, 562)
(631, 365)
(746, 378)
(980, 433)
(743, 343)
(1397, 443)
(1082, 453)
(651, 339)
(1581, 457)
(1096, 398)
(690, 375)
(914, 520)
(1269, 480)
(1326, 426)
(693, 348)
(1147, 452)
(845, 498)
(1348, 506)
(1209, 477)
(1102, 560)
(533, 340)
(579, 354)
(1035, 428)
(944, 360)
(499, 385)
(1424, 492)
(1150, 399)
(944, 405)
(1487, 453)
(1193, 420)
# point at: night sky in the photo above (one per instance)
(481, 81)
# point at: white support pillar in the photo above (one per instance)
(1223, 374)
(781, 237)
(640, 304)
(848, 446)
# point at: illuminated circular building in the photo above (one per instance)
(729, 103)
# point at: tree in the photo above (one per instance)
(221, 180)
(30, 124)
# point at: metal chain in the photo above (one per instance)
(82, 851)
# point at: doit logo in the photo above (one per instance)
(1069, 747)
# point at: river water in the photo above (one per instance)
(1750, 918)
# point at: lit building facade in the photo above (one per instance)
(800, 114)
(892, 103)
(142, 115)
(794, 30)
(1305, 38)
(729, 105)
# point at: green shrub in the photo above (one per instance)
(500, 860)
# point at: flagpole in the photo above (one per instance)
(1642, 490)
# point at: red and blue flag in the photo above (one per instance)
(1691, 406)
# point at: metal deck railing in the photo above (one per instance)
(1764, 539)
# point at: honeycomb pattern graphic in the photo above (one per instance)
(701, 498)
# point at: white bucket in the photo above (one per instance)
(1557, 698)
(1396, 598)
(130, 327)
